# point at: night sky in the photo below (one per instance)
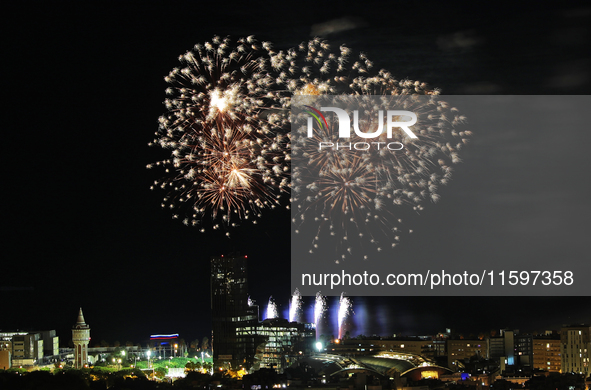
(83, 89)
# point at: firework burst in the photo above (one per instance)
(313, 68)
(353, 197)
(224, 127)
(227, 129)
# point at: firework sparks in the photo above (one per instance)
(344, 311)
(226, 127)
(229, 154)
(319, 310)
(272, 309)
(295, 306)
(354, 197)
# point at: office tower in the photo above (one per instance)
(230, 309)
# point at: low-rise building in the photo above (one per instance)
(462, 349)
(366, 346)
(276, 339)
(546, 353)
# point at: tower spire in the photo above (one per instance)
(80, 320)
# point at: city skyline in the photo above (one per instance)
(82, 228)
(370, 316)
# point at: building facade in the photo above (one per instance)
(413, 345)
(5, 359)
(546, 353)
(27, 349)
(575, 349)
(277, 339)
(460, 350)
(524, 352)
(51, 343)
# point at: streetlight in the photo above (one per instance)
(149, 353)
(319, 346)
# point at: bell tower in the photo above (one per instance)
(80, 338)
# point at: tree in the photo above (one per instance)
(192, 366)
(160, 372)
(194, 380)
(502, 384)
(205, 344)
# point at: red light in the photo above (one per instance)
(245, 257)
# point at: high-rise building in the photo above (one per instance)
(239, 339)
(575, 349)
(230, 309)
(80, 338)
